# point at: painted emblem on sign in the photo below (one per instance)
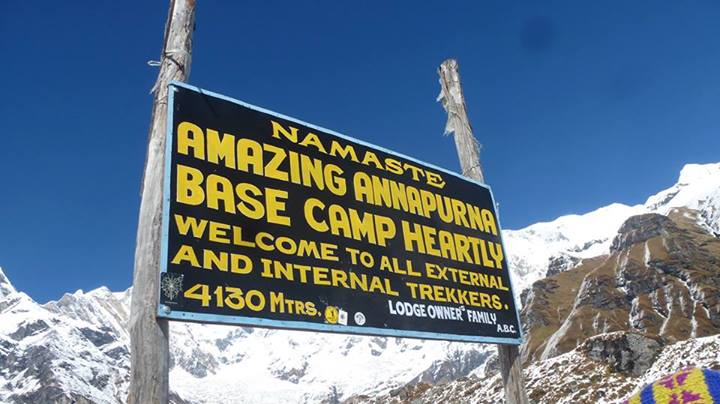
(171, 285)
(359, 318)
(331, 314)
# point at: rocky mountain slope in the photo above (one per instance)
(575, 377)
(657, 278)
(661, 278)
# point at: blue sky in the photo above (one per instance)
(577, 104)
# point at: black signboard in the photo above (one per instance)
(269, 221)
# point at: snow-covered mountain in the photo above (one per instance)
(562, 243)
(76, 349)
(47, 355)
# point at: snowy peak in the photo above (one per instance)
(6, 287)
(695, 173)
(697, 188)
(573, 238)
(697, 183)
(99, 307)
(533, 248)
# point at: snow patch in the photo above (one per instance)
(6, 288)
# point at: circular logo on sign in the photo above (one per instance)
(331, 314)
(359, 318)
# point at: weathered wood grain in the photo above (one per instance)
(468, 150)
(149, 339)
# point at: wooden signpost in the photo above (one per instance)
(468, 150)
(149, 344)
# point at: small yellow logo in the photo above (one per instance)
(331, 314)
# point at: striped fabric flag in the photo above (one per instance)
(689, 386)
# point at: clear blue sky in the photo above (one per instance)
(577, 104)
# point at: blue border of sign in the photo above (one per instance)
(302, 325)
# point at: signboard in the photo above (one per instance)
(269, 221)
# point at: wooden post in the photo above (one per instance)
(149, 339)
(468, 150)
